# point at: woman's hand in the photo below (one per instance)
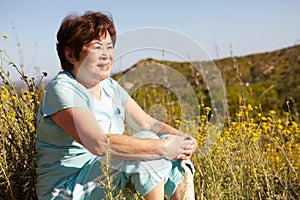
(194, 144)
(193, 148)
(178, 147)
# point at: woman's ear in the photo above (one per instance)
(69, 55)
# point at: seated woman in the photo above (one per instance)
(81, 118)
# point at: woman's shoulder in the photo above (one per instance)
(64, 79)
(62, 76)
(64, 85)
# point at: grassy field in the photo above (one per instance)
(256, 156)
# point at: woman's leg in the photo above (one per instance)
(185, 189)
(156, 178)
(148, 177)
(156, 193)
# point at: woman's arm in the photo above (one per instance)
(139, 120)
(83, 127)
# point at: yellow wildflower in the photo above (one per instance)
(31, 126)
(263, 118)
(279, 126)
(239, 114)
(202, 117)
(286, 113)
(249, 107)
(207, 109)
(272, 112)
(233, 123)
(221, 139)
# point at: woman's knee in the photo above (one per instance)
(146, 134)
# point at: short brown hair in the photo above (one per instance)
(76, 31)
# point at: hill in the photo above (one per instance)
(266, 79)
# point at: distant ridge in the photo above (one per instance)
(278, 70)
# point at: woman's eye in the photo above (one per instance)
(102, 46)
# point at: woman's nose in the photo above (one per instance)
(104, 54)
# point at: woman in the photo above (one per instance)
(81, 118)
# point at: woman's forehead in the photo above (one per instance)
(103, 37)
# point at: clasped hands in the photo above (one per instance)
(180, 147)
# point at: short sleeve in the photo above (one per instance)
(63, 94)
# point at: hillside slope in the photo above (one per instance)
(271, 77)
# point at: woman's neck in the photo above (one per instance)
(95, 91)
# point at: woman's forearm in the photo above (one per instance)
(161, 128)
(131, 148)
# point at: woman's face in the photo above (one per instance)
(95, 61)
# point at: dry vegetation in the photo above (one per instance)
(257, 155)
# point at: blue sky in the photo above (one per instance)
(249, 26)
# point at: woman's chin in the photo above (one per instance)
(104, 76)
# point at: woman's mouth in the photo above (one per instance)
(104, 66)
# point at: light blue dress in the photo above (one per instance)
(67, 170)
